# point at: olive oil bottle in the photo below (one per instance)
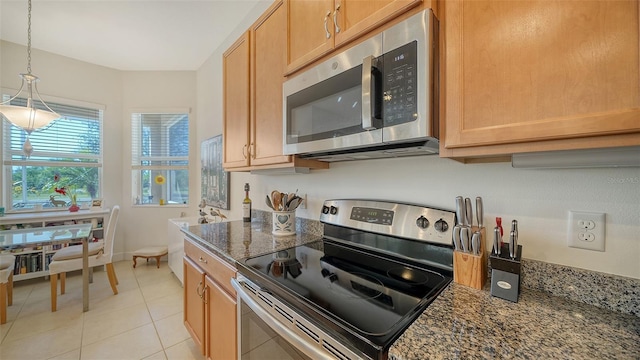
(246, 205)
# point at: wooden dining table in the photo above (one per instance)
(51, 235)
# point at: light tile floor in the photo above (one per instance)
(144, 321)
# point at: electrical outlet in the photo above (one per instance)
(586, 230)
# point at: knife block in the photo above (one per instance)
(505, 274)
(469, 269)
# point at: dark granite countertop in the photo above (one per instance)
(464, 323)
(235, 240)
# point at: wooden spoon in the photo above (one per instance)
(275, 199)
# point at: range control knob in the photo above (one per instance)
(441, 225)
(325, 209)
(422, 222)
(333, 210)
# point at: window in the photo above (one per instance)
(67, 153)
(160, 158)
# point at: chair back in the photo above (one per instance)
(111, 233)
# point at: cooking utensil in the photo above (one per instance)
(499, 224)
(475, 243)
(284, 202)
(456, 238)
(459, 210)
(468, 212)
(275, 199)
(465, 238)
(268, 201)
(496, 240)
(514, 229)
(294, 203)
(479, 211)
(512, 245)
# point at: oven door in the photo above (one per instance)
(337, 104)
(269, 329)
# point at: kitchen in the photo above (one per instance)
(539, 199)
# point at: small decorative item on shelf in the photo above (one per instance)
(74, 204)
(64, 190)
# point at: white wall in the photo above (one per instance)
(155, 91)
(538, 199)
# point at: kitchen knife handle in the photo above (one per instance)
(479, 211)
(464, 237)
(456, 238)
(475, 243)
(459, 210)
(469, 212)
(512, 250)
(496, 240)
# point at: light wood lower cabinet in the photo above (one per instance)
(194, 309)
(210, 303)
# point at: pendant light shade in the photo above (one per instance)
(29, 118)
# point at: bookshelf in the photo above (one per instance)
(34, 262)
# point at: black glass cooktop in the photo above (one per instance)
(363, 296)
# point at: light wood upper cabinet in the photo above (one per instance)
(268, 62)
(315, 27)
(310, 31)
(236, 87)
(254, 69)
(530, 75)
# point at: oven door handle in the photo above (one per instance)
(276, 325)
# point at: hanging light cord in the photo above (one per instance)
(29, 40)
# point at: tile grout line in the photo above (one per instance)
(153, 322)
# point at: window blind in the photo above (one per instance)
(74, 140)
(160, 141)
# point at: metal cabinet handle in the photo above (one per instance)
(203, 260)
(204, 294)
(335, 19)
(244, 151)
(326, 30)
(198, 290)
(252, 150)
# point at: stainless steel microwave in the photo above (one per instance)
(375, 99)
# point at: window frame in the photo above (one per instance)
(6, 153)
(137, 158)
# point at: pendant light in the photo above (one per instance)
(28, 117)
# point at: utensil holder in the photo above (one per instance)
(469, 269)
(284, 223)
(505, 274)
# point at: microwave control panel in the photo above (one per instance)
(400, 85)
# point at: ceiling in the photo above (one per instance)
(136, 35)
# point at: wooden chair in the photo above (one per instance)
(7, 264)
(70, 258)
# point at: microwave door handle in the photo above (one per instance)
(367, 122)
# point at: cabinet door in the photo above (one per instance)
(222, 325)
(194, 307)
(310, 31)
(356, 17)
(236, 104)
(269, 37)
(539, 75)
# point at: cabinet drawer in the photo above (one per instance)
(214, 266)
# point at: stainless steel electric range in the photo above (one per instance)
(352, 294)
